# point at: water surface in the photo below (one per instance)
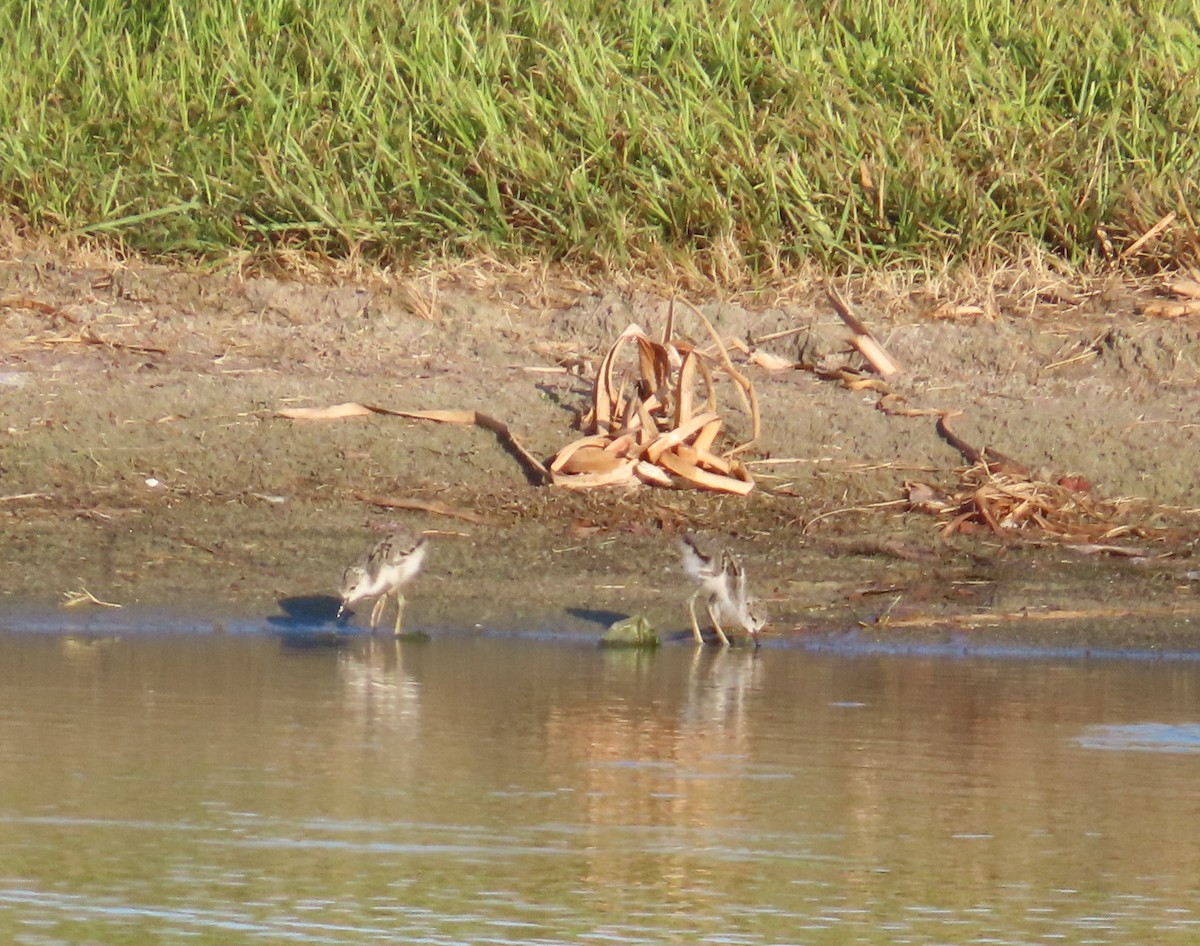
(188, 788)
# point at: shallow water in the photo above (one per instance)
(216, 788)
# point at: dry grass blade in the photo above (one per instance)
(587, 458)
(35, 305)
(1149, 235)
(704, 440)
(652, 475)
(1098, 548)
(698, 476)
(699, 457)
(744, 388)
(673, 438)
(433, 506)
(563, 459)
(88, 336)
(685, 391)
(606, 401)
(73, 599)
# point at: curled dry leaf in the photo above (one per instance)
(622, 474)
(656, 421)
(589, 459)
(771, 362)
(1171, 310)
(333, 412)
(1188, 288)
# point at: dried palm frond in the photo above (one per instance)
(655, 417)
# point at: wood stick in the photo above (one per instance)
(862, 339)
(1148, 235)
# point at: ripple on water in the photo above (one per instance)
(1144, 737)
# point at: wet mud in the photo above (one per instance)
(142, 458)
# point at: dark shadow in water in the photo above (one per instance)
(316, 641)
(311, 622)
(308, 611)
(597, 616)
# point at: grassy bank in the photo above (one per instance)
(742, 138)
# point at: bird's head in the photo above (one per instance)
(354, 584)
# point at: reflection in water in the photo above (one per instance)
(378, 691)
(205, 789)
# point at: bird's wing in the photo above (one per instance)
(394, 548)
(737, 578)
(697, 562)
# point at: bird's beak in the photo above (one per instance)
(341, 611)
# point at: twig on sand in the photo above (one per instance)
(83, 596)
(434, 506)
(862, 339)
(535, 470)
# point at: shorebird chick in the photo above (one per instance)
(722, 580)
(390, 565)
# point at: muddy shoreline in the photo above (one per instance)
(143, 460)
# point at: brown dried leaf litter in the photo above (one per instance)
(1000, 495)
(656, 420)
(656, 417)
(1007, 503)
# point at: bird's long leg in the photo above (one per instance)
(692, 611)
(399, 611)
(713, 612)
(377, 611)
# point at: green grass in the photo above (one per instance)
(742, 139)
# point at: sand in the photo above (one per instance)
(143, 459)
